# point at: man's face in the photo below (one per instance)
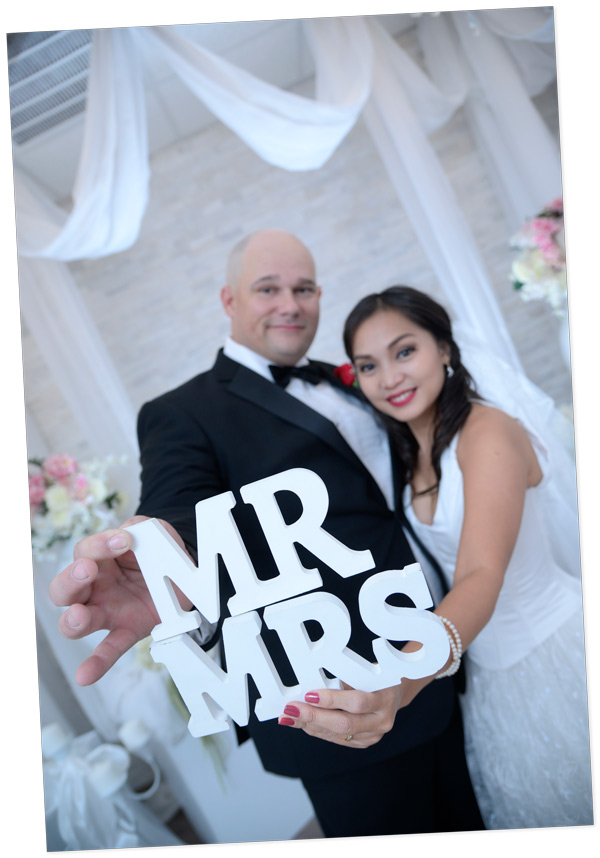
(274, 306)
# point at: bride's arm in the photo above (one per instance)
(498, 464)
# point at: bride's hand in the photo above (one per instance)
(357, 719)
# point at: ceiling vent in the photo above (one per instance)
(47, 73)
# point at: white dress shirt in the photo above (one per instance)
(353, 419)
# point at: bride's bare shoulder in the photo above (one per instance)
(487, 429)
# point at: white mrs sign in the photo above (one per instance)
(212, 694)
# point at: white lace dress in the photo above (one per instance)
(525, 706)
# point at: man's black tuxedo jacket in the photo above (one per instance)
(229, 427)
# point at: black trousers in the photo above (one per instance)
(423, 790)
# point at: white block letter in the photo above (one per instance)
(160, 558)
(403, 624)
(294, 578)
(330, 651)
(217, 534)
(211, 693)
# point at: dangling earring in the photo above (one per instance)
(449, 371)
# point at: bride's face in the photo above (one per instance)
(401, 368)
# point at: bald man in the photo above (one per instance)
(372, 763)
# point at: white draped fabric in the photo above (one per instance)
(111, 186)
(109, 199)
(399, 133)
(285, 129)
(66, 335)
(494, 77)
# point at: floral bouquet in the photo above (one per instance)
(539, 272)
(68, 500)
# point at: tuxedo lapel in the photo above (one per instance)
(243, 382)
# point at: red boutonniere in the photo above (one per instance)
(346, 374)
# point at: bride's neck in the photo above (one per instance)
(423, 432)
(424, 476)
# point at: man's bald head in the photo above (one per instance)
(261, 238)
(271, 295)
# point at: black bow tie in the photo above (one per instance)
(309, 372)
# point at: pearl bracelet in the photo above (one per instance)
(451, 628)
(455, 648)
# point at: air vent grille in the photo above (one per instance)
(47, 74)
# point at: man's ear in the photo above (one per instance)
(227, 300)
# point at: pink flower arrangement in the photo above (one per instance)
(539, 272)
(68, 500)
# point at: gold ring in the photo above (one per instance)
(348, 738)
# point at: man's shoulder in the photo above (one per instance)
(183, 390)
(193, 388)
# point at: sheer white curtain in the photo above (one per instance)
(284, 129)
(399, 131)
(493, 62)
(109, 200)
(111, 185)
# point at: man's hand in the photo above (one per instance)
(105, 589)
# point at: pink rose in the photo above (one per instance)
(60, 466)
(552, 254)
(80, 486)
(556, 205)
(544, 226)
(37, 489)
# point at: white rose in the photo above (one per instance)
(43, 527)
(58, 498)
(529, 267)
(98, 490)
(61, 520)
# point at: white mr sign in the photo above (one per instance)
(212, 694)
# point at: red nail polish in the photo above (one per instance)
(312, 697)
(292, 710)
(287, 722)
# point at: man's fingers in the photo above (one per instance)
(81, 620)
(103, 546)
(73, 583)
(106, 654)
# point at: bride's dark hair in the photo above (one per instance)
(453, 405)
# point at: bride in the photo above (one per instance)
(474, 483)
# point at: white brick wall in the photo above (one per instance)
(156, 305)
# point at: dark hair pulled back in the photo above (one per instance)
(453, 405)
